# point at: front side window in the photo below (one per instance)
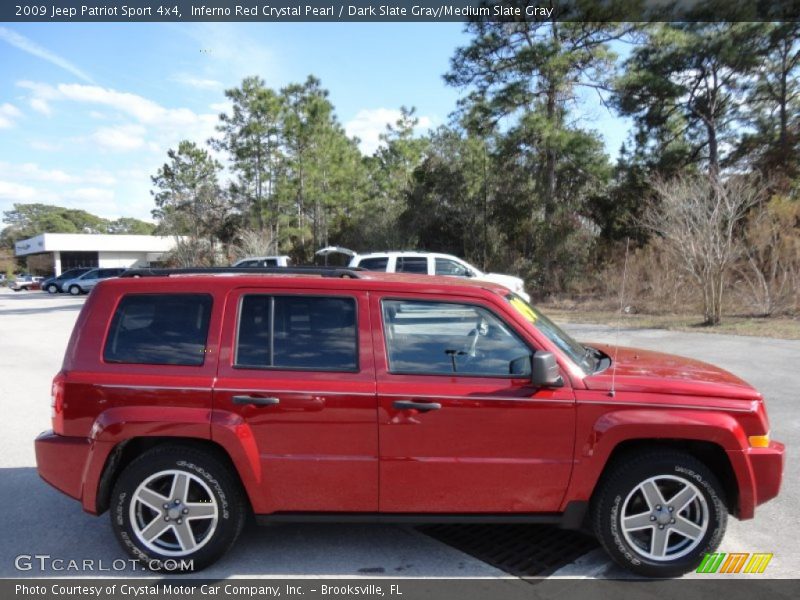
(442, 338)
(445, 266)
(311, 333)
(159, 329)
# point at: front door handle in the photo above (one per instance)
(420, 406)
(255, 400)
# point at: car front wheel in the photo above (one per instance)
(52, 289)
(177, 508)
(658, 513)
(74, 290)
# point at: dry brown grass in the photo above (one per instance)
(774, 327)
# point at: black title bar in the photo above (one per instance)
(397, 10)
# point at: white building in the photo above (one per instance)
(70, 250)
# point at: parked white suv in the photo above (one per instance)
(425, 263)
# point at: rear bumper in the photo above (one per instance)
(61, 461)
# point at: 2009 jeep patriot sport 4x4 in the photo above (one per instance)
(187, 400)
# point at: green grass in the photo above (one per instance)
(773, 327)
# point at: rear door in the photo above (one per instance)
(297, 369)
(461, 428)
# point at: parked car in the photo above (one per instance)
(187, 401)
(26, 282)
(425, 263)
(83, 284)
(264, 261)
(52, 285)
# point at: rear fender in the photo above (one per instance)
(118, 425)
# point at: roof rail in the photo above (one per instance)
(352, 272)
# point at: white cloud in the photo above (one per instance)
(122, 138)
(8, 113)
(44, 146)
(91, 195)
(369, 124)
(198, 82)
(33, 172)
(142, 109)
(41, 106)
(16, 192)
(27, 45)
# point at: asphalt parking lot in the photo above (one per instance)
(37, 520)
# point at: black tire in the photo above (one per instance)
(209, 475)
(617, 493)
(75, 290)
(52, 288)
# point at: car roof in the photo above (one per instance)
(407, 253)
(263, 257)
(361, 280)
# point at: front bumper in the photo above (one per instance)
(767, 466)
(61, 461)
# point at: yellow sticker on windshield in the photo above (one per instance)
(525, 310)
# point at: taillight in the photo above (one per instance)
(57, 403)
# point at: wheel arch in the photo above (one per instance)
(709, 453)
(127, 450)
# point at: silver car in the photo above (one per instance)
(84, 283)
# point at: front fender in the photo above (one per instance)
(596, 442)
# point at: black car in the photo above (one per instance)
(52, 285)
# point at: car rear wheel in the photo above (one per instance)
(74, 290)
(177, 508)
(658, 513)
(52, 288)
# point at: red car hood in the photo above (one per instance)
(637, 370)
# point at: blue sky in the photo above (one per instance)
(88, 111)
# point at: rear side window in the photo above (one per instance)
(374, 264)
(412, 264)
(312, 333)
(159, 329)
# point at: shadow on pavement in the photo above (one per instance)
(38, 520)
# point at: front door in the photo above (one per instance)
(298, 370)
(461, 428)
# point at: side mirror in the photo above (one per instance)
(545, 371)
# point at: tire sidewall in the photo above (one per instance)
(210, 471)
(75, 290)
(609, 517)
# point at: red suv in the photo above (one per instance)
(188, 400)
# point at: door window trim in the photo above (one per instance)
(492, 312)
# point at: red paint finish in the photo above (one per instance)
(336, 442)
(318, 448)
(496, 445)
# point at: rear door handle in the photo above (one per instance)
(420, 406)
(255, 400)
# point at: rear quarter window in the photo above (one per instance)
(159, 329)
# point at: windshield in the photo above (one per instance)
(580, 355)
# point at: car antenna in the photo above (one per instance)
(613, 390)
